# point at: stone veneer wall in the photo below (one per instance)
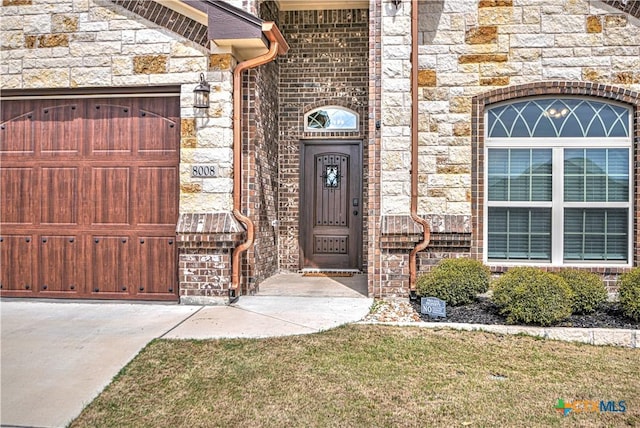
(327, 64)
(71, 44)
(466, 49)
(66, 44)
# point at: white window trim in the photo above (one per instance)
(335, 107)
(557, 145)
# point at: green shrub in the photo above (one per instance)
(588, 288)
(531, 296)
(456, 281)
(629, 293)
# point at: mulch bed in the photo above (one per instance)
(485, 312)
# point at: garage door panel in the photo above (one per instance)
(161, 209)
(81, 180)
(17, 128)
(60, 193)
(156, 134)
(110, 129)
(111, 259)
(17, 187)
(111, 195)
(158, 275)
(60, 260)
(17, 273)
(60, 129)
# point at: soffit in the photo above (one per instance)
(236, 28)
(228, 28)
(285, 5)
(186, 10)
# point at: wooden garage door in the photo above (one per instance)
(89, 197)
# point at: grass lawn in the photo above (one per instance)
(366, 376)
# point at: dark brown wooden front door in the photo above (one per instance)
(89, 197)
(331, 205)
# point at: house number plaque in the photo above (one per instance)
(204, 171)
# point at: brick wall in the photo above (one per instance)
(205, 244)
(374, 149)
(327, 64)
(450, 237)
(260, 151)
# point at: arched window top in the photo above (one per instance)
(558, 118)
(331, 119)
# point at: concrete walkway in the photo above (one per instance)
(56, 357)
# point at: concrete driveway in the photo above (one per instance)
(57, 357)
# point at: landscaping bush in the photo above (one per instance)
(531, 296)
(456, 281)
(588, 288)
(629, 293)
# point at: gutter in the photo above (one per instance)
(278, 46)
(426, 229)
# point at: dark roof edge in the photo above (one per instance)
(232, 10)
(97, 92)
(632, 7)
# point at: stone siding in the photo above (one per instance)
(467, 49)
(71, 44)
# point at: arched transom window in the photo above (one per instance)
(331, 119)
(558, 182)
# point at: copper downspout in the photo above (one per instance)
(426, 234)
(278, 45)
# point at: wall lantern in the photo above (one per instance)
(396, 3)
(201, 94)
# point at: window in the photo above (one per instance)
(331, 118)
(558, 182)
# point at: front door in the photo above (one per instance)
(331, 205)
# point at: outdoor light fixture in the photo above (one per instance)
(396, 3)
(201, 94)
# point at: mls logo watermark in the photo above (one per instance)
(433, 307)
(590, 406)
